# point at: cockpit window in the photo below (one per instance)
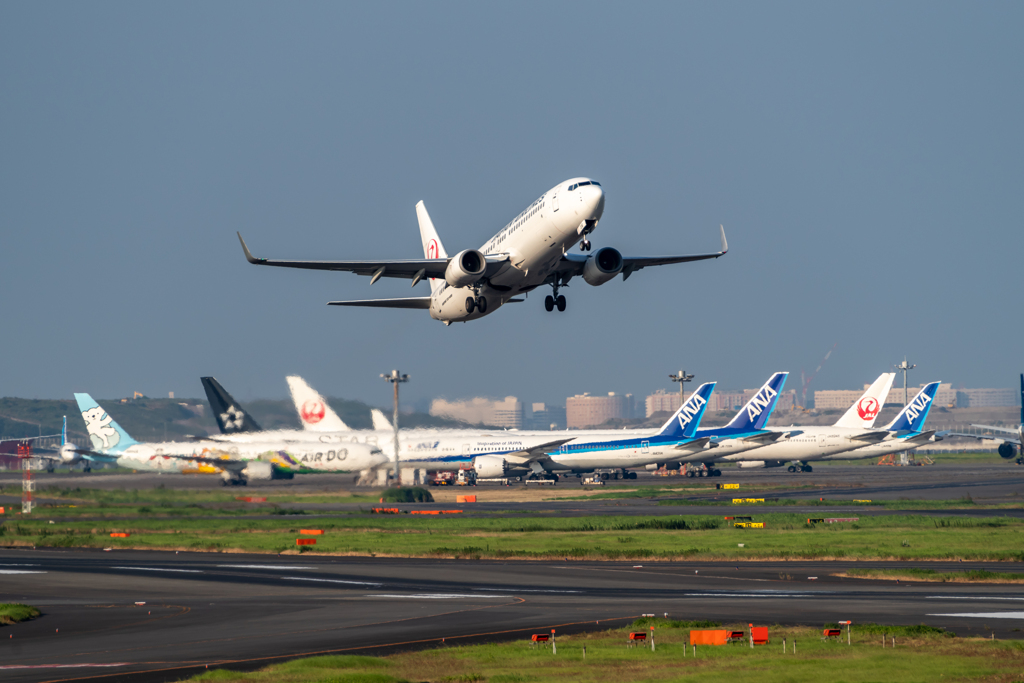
(572, 187)
(585, 182)
(594, 182)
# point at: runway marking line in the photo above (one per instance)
(348, 649)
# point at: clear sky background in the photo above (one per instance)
(865, 159)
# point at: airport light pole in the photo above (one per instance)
(682, 378)
(396, 378)
(905, 367)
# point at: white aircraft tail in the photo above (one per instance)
(863, 413)
(432, 247)
(314, 412)
(380, 421)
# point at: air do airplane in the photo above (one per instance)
(531, 251)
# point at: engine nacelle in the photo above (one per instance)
(602, 266)
(489, 466)
(465, 268)
(752, 464)
(69, 454)
(1007, 451)
(258, 470)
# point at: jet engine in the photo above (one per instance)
(465, 268)
(258, 470)
(1007, 450)
(69, 454)
(489, 466)
(751, 464)
(602, 266)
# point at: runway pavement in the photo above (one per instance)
(249, 610)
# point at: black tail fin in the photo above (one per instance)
(230, 416)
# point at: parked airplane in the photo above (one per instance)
(1009, 447)
(236, 463)
(531, 251)
(852, 430)
(906, 431)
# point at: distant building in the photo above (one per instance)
(661, 401)
(986, 398)
(584, 410)
(543, 415)
(481, 411)
(841, 399)
(946, 396)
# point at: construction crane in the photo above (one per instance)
(806, 381)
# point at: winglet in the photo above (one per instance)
(248, 254)
(725, 243)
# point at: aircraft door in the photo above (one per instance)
(467, 449)
(554, 202)
(645, 446)
(821, 441)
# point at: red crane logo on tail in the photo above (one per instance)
(432, 249)
(313, 412)
(868, 408)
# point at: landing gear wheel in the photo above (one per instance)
(806, 468)
(560, 303)
(791, 468)
(549, 303)
(604, 476)
(716, 473)
(87, 469)
(470, 304)
(632, 475)
(702, 473)
(585, 245)
(481, 304)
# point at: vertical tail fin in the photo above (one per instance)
(687, 419)
(64, 432)
(380, 421)
(432, 247)
(913, 415)
(1022, 398)
(755, 414)
(105, 434)
(230, 416)
(863, 413)
(315, 413)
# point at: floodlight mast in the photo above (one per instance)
(396, 378)
(905, 367)
(682, 378)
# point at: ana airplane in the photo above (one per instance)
(236, 463)
(905, 431)
(1009, 447)
(852, 430)
(531, 251)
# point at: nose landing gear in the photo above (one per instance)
(585, 245)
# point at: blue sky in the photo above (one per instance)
(865, 159)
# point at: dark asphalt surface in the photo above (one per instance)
(245, 611)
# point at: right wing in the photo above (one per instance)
(409, 269)
(996, 429)
(408, 302)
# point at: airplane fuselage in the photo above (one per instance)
(534, 242)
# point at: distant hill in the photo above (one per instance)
(149, 419)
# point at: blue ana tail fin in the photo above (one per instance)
(105, 434)
(1022, 398)
(684, 423)
(913, 415)
(755, 414)
(64, 432)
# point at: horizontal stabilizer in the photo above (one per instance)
(870, 437)
(422, 302)
(996, 429)
(696, 444)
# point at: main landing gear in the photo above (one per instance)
(478, 303)
(800, 467)
(555, 300)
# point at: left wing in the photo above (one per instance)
(538, 452)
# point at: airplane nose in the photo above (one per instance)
(595, 200)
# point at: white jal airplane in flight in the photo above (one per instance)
(531, 251)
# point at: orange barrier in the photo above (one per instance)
(759, 634)
(715, 637)
(1, 511)
(305, 541)
(465, 499)
(252, 499)
(741, 519)
(385, 511)
(735, 637)
(640, 635)
(435, 512)
(540, 637)
(119, 534)
(831, 633)
(311, 532)
(451, 512)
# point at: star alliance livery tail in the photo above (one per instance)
(432, 247)
(754, 415)
(913, 415)
(105, 434)
(684, 423)
(314, 411)
(862, 414)
(230, 416)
